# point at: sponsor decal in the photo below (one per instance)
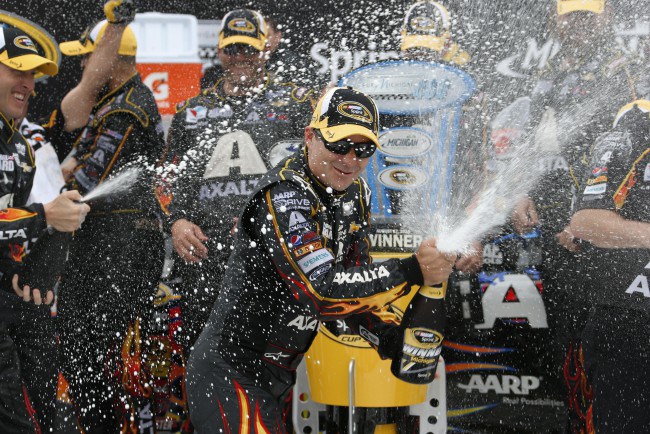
(501, 385)
(241, 25)
(253, 118)
(327, 230)
(158, 82)
(597, 180)
(315, 260)
(367, 335)
(307, 248)
(6, 163)
(303, 322)
(551, 164)
(405, 142)
(348, 208)
(492, 255)
(362, 277)
(596, 189)
(220, 112)
(276, 356)
(293, 204)
(22, 149)
(355, 111)
(300, 239)
(279, 117)
(640, 285)
(605, 158)
(599, 171)
(283, 149)
(646, 173)
(25, 43)
(195, 114)
(296, 221)
(285, 195)
(11, 234)
(320, 272)
(402, 177)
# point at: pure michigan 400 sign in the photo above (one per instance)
(420, 107)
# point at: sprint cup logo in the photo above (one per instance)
(25, 43)
(345, 337)
(402, 177)
(355, 111)
(241, 25)
(405, 142)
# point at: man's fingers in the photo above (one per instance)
(37, 297)
(17, 289)
(27, 293)
(49, 298)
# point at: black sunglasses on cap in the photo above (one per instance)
(245, 49)
(342, 147)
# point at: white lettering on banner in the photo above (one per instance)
(535, 58)
(314, 260)
(249, 160)
(158, 82)
(302, 322)
(341, 62)
(503, 385)
(11, 234)
(362, 277)
(640, 284)
(221, 189)
(551, 164)
(285, 195)
(395, 240)
(529, 306)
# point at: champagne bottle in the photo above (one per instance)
(422, 327)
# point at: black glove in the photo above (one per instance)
(120, 11)
(44, 264)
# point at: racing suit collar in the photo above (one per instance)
(6, 128)
(123, 87)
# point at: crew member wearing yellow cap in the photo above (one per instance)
(301, 255)
(221, 143)
(28, 374)
(115, 259)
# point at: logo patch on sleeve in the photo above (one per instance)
(315, 260)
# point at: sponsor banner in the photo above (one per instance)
(171, 83)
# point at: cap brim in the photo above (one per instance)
(73, 48)
(258, 44)
(595, 7)
(340, 132)
(435, 43)
(30, 62)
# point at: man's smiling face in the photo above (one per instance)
(15, 90)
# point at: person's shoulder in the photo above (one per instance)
(133, 101)
(635, 114)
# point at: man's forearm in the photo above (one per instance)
(607, 229)
(79, 102)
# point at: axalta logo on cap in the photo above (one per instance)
(241, 25)
(355, 111)
(25, 43)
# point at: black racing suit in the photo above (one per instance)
(615, 339)
(115, 259)
(219, 147)
(27, 384)
(301, 253)
(569, 111)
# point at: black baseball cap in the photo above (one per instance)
(243, 26)
(343, 112)
(18, 51)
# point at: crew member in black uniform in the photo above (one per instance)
(586, 75)
(221, 142)
(115, 260)
(28, 372)
(301, 250)
(614, 217)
